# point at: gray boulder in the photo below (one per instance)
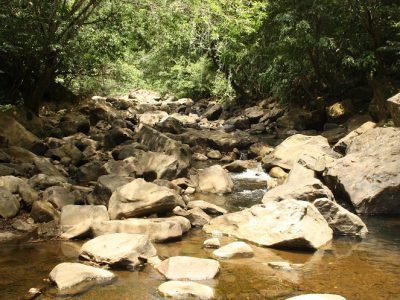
(340, 219)
(286, 224)
(17, 185)
(141, 198)
(213, 179)
(119, 249)
(72, 215)
(369, 174)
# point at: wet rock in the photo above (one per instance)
(212, 243)
(286, 154)
(141, 198)
(74, 214)
(287, 224)
(18, 186)
(213, 179)
(43, 211)
(185, 290)
(342, 145)
(158, 230)
(306, 190)
(9, 204)
(340, 219)
(209, 208)
(72, 275)
(60, 196)
(369, 175)
(189, 268)
(317, 297)
(394, 108)
(283, 265)
(196, 216)
(234, 250)
(119, 250)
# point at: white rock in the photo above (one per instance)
(212, 243)
(317, 297)
(235, 249)
(185, 290)
(189, 268)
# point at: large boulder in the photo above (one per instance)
(306, 190)
(141, 198)
(158, 230)
(9, 204)
(286, 154)
(394, 108)
(16, 134)
(213, 179)
(104, 188)
(185, 290)
(159, 142)
(340, 219)
(119, 249)
(188, 268)
(369, 174)
(286, 224)
(71, 275)
(342, 145)
(60, 196)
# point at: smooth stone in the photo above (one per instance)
(317, 297)
(185, 290)
(213, 179)
(189, 268)
(233, 250)
(72, 215)
(9, 204)
(212, 243)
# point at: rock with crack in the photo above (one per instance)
(74, 278)
(291, 224)
(340, 219)
(189, 268)
(368, 175)
(119, 250)
(185, 290)
(140, 198)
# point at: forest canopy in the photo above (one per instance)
(296, 50)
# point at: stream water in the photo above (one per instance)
(354, 268)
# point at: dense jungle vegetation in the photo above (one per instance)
(301, 51)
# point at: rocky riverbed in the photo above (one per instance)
(148, 188)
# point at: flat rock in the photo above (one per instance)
(368, 175)
(340, 219)
(75, 214)
(286, 224)
(189, 268)
(73, 275)
(141, 198)
(233, 250)
(119, 249)
(185, 290)
(158, 230)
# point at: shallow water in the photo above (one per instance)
(357, 269)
